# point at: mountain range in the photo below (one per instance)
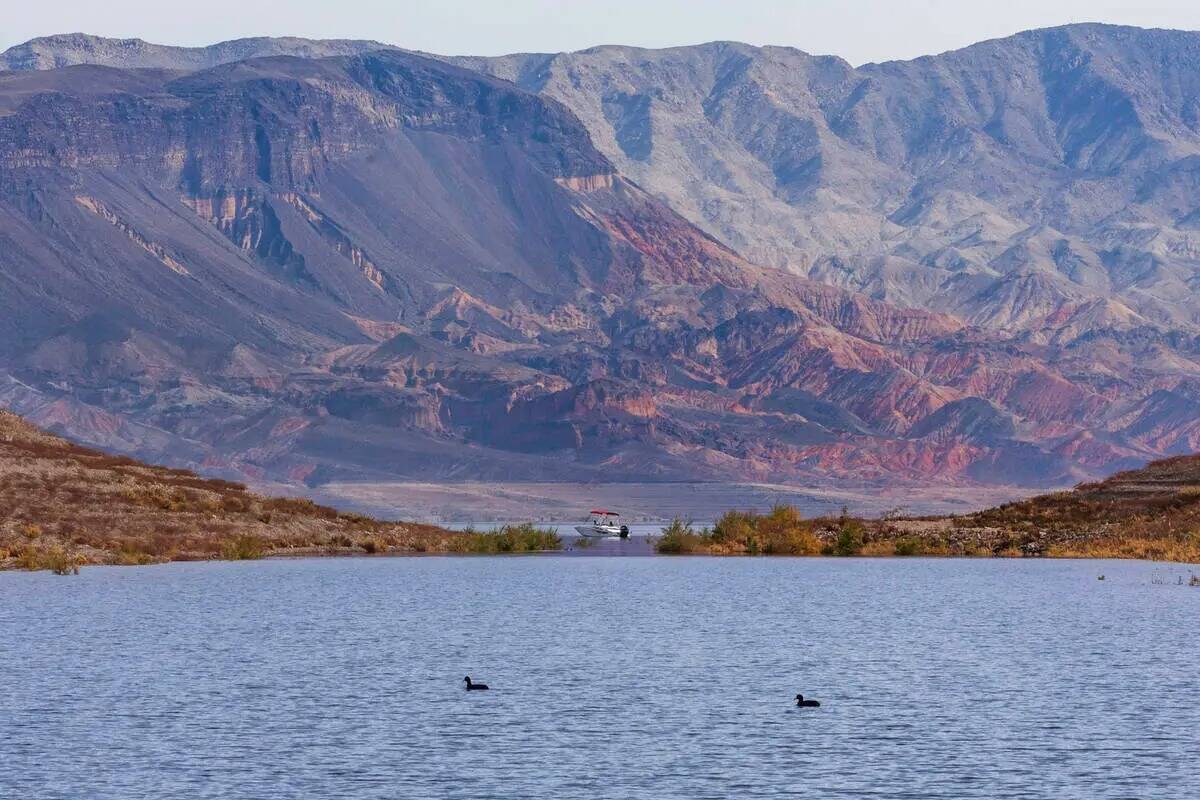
(1039, 182)
(296, 261)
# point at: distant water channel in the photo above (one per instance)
(611, 678)
(639, 543)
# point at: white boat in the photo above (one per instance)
(603, 525)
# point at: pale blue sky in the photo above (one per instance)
(857, 30)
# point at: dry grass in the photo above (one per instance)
(62, 506)
(1151, 514)
(1181, 549)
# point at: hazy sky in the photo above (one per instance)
(857, 30)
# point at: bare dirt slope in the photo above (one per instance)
(64, 504)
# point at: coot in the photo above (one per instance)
(802, 703)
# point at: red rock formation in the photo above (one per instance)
(381, 266)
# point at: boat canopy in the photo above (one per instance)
(604, 513)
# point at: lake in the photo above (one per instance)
(611, 677)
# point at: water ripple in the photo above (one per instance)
(623, 678)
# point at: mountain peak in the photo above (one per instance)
(70, 49)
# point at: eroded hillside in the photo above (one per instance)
(63, 505)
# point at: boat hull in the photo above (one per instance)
(598, 532)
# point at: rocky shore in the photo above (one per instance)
(1150, 513)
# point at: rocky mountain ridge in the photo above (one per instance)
(1042, 183)
(1038, 183)
(73, 49)
(378, 266)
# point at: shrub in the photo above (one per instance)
(794, 542)
(29, 558)
(783, 518)
(849, 537)
(735, 526)
(373, 545)
(909, 546)
(56, 559)
(132, 554)
(529, 538)
(523, 538)
(468, 541)
(246, 547)
(782, 531)
(60, 562)
(678, 538)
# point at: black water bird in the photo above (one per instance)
(802, 703)
(475, 687)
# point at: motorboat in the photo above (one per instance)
(603, 524)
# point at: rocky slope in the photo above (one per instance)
(1045, 182)
(1153, 512)
(65, 506)
(380, 266)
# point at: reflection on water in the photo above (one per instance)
(623, 678)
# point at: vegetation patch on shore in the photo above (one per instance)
(1152, 513)
(524, 538)
(781, 532)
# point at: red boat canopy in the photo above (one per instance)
(602, 511)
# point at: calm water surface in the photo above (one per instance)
(612, 677)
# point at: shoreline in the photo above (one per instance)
(69, 506)
(300, 554)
